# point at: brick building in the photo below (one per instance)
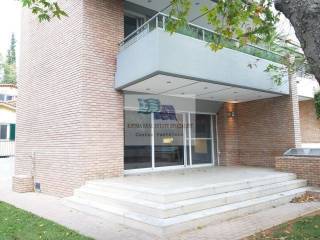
(108, 91)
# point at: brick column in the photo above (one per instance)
(269, 127)
(228, 132)
(295, 112)
(102, 105)
(69, 117)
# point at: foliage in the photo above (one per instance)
(45, 10)
(317, 103)
(245, 21)
(10, 75)
(240, 22)
(9, 67)
(16, 224)
(11, 55)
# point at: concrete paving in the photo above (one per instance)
(52, 208)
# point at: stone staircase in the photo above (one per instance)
(164, 212)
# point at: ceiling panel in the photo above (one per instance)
(159, 84)
(157, 5)
(197, 89)
(180, 87)
(237, 95)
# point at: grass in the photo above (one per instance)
(304, 228)
(16, 224)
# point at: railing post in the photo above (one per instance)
(163, 22)
(157, 21)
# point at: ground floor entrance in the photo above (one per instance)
(164, 136)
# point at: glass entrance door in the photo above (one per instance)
(200, 139)
(168, 139)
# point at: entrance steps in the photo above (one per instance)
(167, 211)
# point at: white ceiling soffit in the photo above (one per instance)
(195, 15)
(179, 87)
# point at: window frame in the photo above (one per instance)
(7, 131)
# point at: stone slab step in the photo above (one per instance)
(174, 195)
(180, 223)
(166, 210)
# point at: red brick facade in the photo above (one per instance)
(305, 167)
(260, 131)
(228, 135)
(310, 125)
(69, 117)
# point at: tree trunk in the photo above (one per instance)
(304, 16)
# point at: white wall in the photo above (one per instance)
(7, 116)
(8, 91)
(307, 87)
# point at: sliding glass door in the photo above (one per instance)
(156, 139)
(200, 139)
(169, 139)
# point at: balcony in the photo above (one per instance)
(150, 56)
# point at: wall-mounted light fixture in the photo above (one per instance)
(231, 114)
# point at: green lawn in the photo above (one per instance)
(16, 224)
(305, 228)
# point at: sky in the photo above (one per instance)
(9, 23)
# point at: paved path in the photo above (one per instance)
(52, 208)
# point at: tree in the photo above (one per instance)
(9, 67)
(253, 21)
(11, 55)
(1, 67)
(44, 9)
(10, 75)
(305, 19)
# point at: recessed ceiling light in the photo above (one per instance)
(182, 93)
(149, 1)
(235, 92)
(168, 82)
(148, 89)
(205, 88)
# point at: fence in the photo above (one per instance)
(7, 148)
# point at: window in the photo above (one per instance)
(9, 98)
(2, 97)
(3, 132)
(132, 22)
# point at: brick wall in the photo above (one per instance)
(260, 130)
(305, 167)
(228, 135)
(310, 125)
(102, 108)
(69, 117)
(265, 130)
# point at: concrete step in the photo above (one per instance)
(167, 210)
(166, 226)
(180, 194)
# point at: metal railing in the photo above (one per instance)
(7, 148)
(160, 20)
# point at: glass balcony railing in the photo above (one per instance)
(200, 33)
